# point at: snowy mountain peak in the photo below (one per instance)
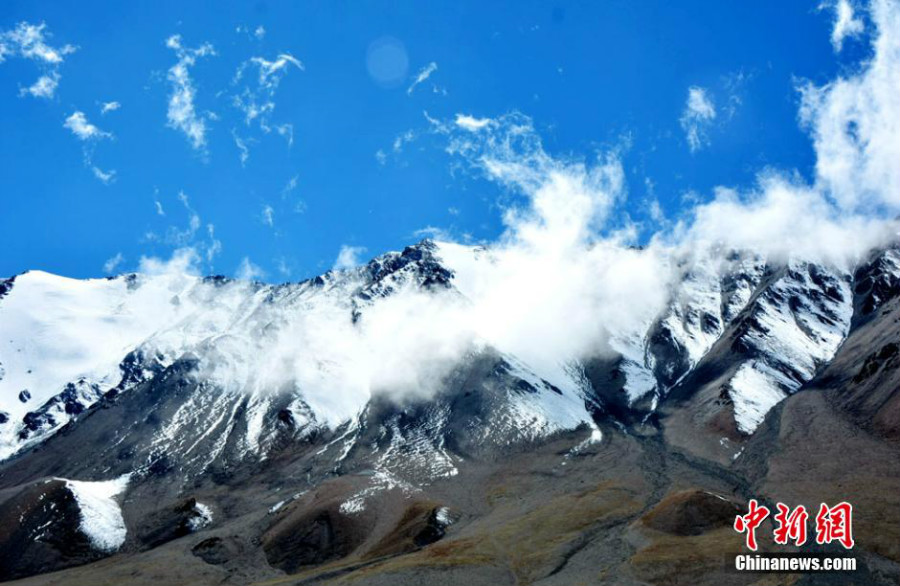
(267, 363)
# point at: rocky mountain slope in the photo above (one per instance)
(200, 430)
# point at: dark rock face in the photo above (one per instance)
(877, 282)
(73, 400)
(313, 538)
(886, 357)
(672, 360)
(216, 550)
(39, 532)
(6, 286)
(419, 526)
(416, 263)
(138, 367)
(170, 523)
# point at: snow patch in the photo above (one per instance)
(442, 516)
(101, 517)
(203, 517)
(755, 389)
(353, 506)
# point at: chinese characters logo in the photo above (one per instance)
(832, 524)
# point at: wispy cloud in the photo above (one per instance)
(284, 269)
(107, 107)
(30, 41)
(348, 257)
(78, 123)
(213, 244)
(422, 76)
(257, 101)
(188, 237)
(846, 23)
(182, 114)
(90, 134)
(290, 186)
(256, 98)
(242, 146)
(268, 216)
(699, 112)
(258, 33)
(111, 264)
(105, 177)
(248, 271)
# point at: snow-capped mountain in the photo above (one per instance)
(288, 353)
(264, 355)
(120, 393)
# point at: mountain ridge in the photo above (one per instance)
(186, 412)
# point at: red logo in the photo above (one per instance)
(832, 524)
(835, 524)
(749, 522)
(791, 525)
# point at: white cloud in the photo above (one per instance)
(855, 123)
(656, 212)
(187, 240)
(247, 271)
(259, 33)
(256, 98)
(287, 131)
(242, 145)
(105, 177)
(471, 123)
(567, 198)
(44, 87)
(184, 261)
(563, 254)
(182, 114)
(213, 245)
(401, 140)
(348, 257)
(84, 130)
(268, 216)
(30, 41)
(107, 107)
(782, 218)
(423, 75)
(290, 186)
(699, 112)
(89, 134)
(110, 266)
(552, 264)
(257, 101)
(283, 267)
(846, 24)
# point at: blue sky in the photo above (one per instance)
(346, 157)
